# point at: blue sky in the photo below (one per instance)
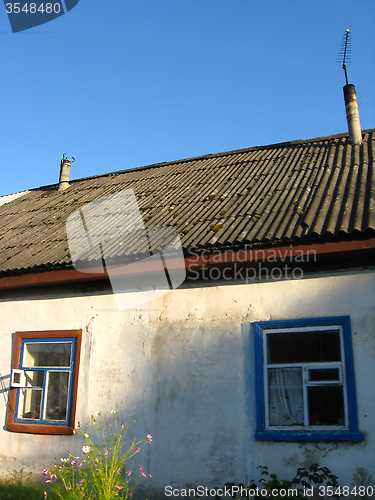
(124, 83)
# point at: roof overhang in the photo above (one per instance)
(343, 250)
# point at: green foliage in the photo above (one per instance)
(104, 472)
(362, 478)
(315, 476)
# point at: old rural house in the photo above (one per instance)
(262, 352)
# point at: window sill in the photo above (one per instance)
(310, 436)
(57, 430)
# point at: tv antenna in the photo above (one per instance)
(66, 158)
(345, 53)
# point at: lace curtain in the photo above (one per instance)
(285, 396)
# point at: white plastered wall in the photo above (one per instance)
(183, 367)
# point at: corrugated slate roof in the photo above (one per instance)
(262, 195)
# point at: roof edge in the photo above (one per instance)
(50, 276)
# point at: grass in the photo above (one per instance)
(18, 486)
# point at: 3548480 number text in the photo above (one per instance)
(32, 8)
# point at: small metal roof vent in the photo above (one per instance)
(352, 114)
(64, 174)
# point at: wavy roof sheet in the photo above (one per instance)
(262, 195)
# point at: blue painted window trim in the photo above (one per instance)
(309, 435)
(69, 370)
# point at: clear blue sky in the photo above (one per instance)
(124, 83)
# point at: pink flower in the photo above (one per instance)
(140, 467)
(149, 475)
(149, 438)
(73, 463)
(129, 473)
(143, 474)
(119, 487)
(45, 495)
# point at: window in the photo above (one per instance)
(305, 384)
(44, 381)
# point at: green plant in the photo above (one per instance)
(103, 473)
(18, 478)
(314, 476)
(18, 486)
(363, 479)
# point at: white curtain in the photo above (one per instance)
(285, 396)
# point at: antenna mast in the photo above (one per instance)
(350, 96)
(345, 53)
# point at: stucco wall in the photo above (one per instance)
(183, 367)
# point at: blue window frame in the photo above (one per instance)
(305, 387)
(47, 365)
(42, 398)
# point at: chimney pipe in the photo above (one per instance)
(352, 114)
(64, 174)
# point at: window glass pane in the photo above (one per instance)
(29, 403)
(57, 395)
(47, 354)
(304, 347)
(326, 405)
(285, 396)
(34, 379)
(321, 374)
